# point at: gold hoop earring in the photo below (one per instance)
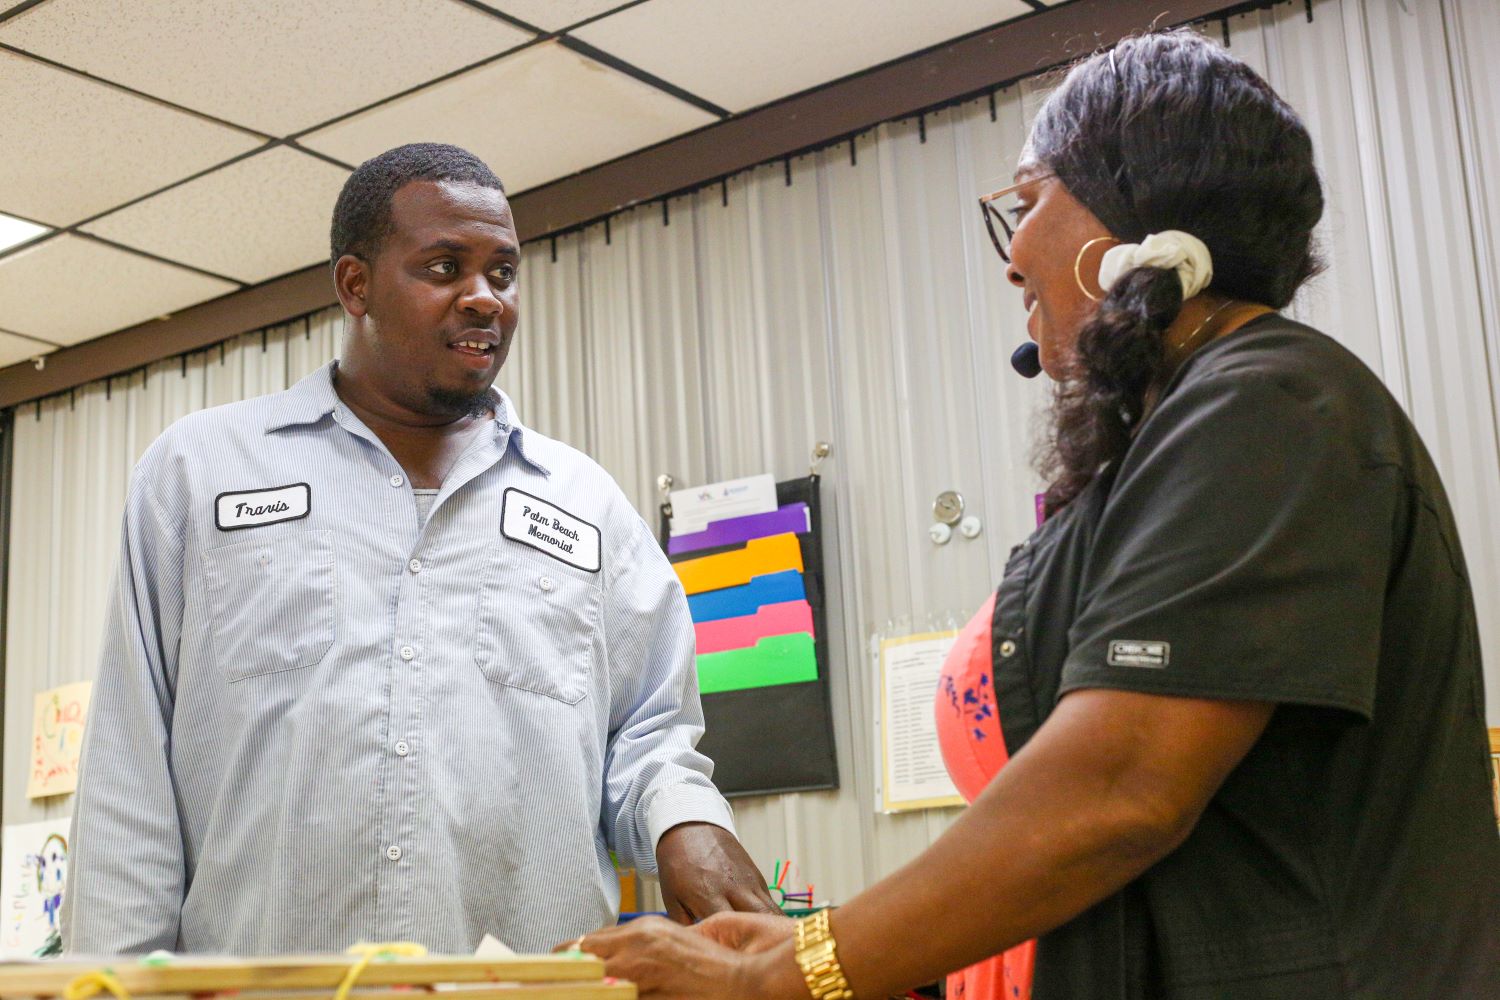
(1078, 265)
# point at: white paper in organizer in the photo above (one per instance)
(694, 509)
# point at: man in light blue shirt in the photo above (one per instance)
(381, 662)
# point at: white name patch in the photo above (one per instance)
(1133, 653)
(548, 528)
(253, 508)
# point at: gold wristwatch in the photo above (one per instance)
(818, 959)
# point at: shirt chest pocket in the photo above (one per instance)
(271, 602)
(537, 625)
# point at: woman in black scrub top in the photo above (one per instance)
(1237, 669)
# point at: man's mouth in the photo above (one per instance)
(473, 348)
(476, 344)
(476, 349)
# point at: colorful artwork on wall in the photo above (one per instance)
(34, 857)
(57, 739)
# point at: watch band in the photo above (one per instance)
(817, 957)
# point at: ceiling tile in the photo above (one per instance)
(69, 289)
(255, 219)
(554, 15)
(116, 146)
(277, 66)
(534, 116)
(743, 53)
(14, 232)
(14, 348)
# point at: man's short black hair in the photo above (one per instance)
(362, 215)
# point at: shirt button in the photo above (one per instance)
(546, 583)
(415, 565)
(1007, 648)
(397, 480)
(402, 749)
(393, 852)
(407, 653)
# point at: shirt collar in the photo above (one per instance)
(314, 398)
(307, 402)
(508, 424)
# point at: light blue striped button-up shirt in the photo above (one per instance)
(310, 730)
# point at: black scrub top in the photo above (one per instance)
(1276, 532)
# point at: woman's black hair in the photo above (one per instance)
(1168, 131)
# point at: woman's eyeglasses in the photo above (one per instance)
(1002, 236)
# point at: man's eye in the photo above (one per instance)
(1019, 212)
(443, 267)
(506, 273)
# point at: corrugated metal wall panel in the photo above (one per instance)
(545, 374)
(30, 602)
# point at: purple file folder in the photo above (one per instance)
(734, 530)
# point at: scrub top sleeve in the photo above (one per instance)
(1243, 551)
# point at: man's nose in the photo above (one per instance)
(479, 298)
(1013, 276)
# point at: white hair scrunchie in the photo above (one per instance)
(1170, 249)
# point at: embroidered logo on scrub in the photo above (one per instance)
(548, 528)
(253, 508)
(1134, 653)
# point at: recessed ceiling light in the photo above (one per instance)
(14, 231)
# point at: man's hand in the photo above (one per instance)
(704, 871)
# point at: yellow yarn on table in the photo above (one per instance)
(91, 984)
(368, 953)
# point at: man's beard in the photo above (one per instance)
(460, 404)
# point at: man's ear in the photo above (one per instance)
(351, 281)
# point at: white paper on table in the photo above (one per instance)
(695, 508)
(492, 947)
(489, 947)
(912, 772)
(33, 876)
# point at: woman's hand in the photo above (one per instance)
(669, 962)
(747, 932)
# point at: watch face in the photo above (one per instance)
(948, 507)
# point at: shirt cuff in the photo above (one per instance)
(686, 804)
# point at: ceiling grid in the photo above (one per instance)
(178, 150)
